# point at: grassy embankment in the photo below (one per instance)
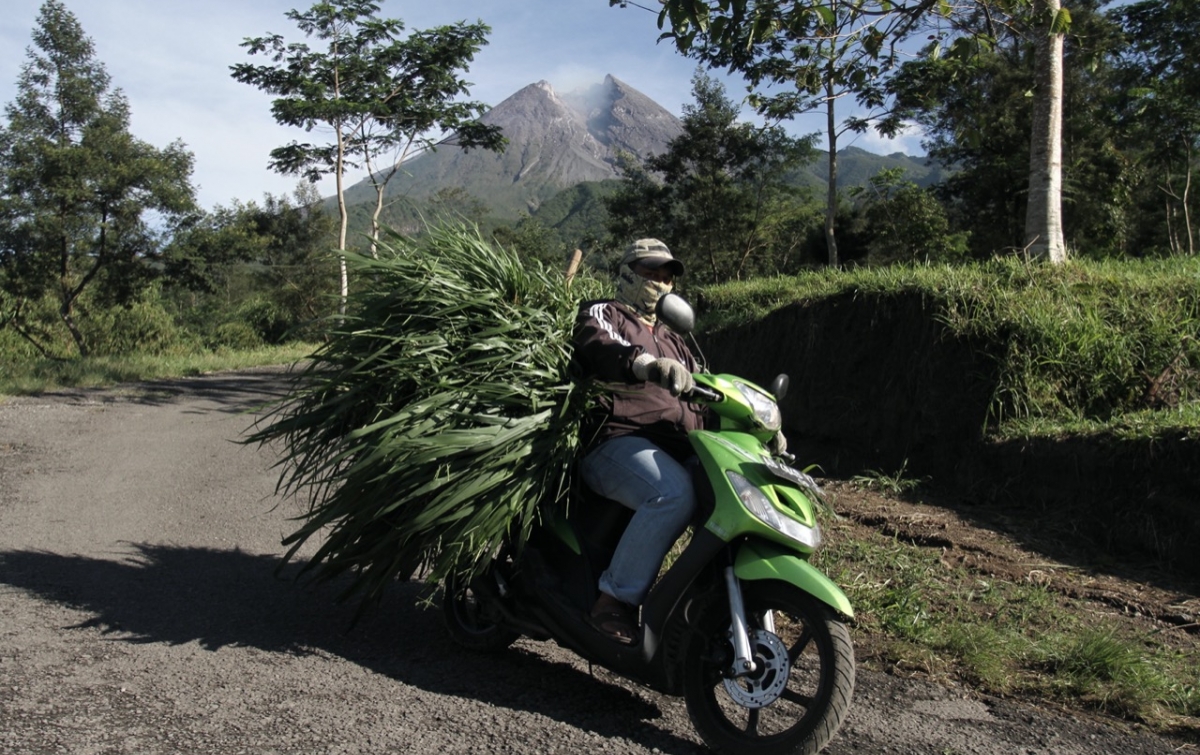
(1104, 356)
(1085, 347)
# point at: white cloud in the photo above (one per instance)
(908, 141)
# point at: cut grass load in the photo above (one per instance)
(434, 421)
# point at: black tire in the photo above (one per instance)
(473, 621)
(809, 707)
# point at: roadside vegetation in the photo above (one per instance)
(44, 375)
(1081, 347)
(965, 616)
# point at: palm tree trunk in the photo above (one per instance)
(339, 176)
(1043, 218)
(832, 197)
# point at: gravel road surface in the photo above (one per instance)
(141, 611)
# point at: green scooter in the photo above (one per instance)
(740, 624)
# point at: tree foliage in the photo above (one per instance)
(905, 223)
(799, 57)
(1158, 75)
(381, 93)
(718, 196)
(269, 267)
(84, 201)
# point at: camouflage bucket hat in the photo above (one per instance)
(651, 253)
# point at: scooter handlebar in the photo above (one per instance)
(708, 394)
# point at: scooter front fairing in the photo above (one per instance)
(758, 498)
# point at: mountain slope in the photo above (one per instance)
(856, 166)
(554, 142)
(578, 213)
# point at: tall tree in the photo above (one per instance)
(1045, 22)
(787, 43)
(719, 195)
(801, 57)
(1043, 219)
(380, 94)
(419, 102)
(77, 185)
(972, 100)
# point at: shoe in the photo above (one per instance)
(614, 619)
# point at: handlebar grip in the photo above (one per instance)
(707, 394)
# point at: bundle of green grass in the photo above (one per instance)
(438, 417)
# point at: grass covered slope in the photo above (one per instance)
(1076, 386)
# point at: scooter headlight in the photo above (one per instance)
(758, 504)
(766, 411)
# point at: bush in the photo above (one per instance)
(267, 319)
(234, 334)
(142, 327)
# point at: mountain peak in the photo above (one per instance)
(554, 142)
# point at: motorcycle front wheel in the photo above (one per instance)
(472, 620)
(800, 690)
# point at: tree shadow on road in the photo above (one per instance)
(244, 392)
(221, 598)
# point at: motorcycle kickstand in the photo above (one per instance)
(739, 631)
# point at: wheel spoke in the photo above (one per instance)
(752, 722)
(801, 644)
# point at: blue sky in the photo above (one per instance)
(171, 58)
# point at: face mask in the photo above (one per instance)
(640, 294)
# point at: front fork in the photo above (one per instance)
(739, 628)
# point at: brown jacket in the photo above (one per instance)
(608, 337)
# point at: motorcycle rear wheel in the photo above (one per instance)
(472, 620)
(792, 704)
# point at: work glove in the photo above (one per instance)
(667, 372)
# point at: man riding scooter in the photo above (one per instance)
(636, 435)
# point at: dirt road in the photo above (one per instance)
(141, 612)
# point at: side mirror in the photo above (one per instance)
(678, 315)
(779, 386)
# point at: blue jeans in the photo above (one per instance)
(641, 476)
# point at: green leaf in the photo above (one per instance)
(1061, 23)
(827, 14)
